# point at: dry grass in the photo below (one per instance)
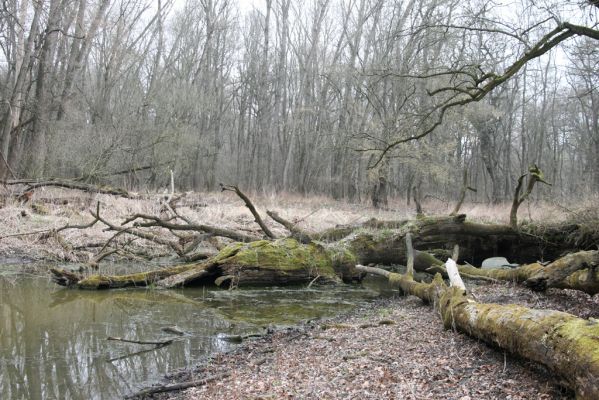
(314, 213)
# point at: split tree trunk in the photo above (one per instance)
(281, 262)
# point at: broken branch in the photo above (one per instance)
(250, 206)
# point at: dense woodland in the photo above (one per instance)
(320, 96)
(353, 99)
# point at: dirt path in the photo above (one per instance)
(396, 349)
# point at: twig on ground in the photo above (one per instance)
(178, 386)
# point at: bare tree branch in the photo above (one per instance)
(485, 85)
(250, 206)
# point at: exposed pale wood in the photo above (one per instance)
(454, 274)
(410, 251)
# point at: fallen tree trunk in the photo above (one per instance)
(575, 271)
(68, 184)
(477, 241)
(286, 261)
(68, 278)
(567, 345)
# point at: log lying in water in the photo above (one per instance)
(68, 278)
(567, 345)
(283, 261)
(287, 261)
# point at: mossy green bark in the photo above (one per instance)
(573, 271)
(286, 261)
(99, 281)
(586, 280)
(282, 255)
(566, 344)
(519, 274)
(283, 261)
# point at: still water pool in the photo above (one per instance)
(53, 341)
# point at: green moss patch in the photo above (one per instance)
(282, 255)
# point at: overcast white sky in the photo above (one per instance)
(247, 5)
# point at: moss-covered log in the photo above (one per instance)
(283, 261)
(68, 278)
(385, 243)
(286, 261)
(567, 345)
(577, 271)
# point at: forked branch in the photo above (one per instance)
(485, 83)
(535, 175)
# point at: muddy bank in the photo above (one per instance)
(394, 349)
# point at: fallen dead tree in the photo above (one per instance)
(288, 261)
(577, 271)
(32, 184)
(330, 255)
(567, 345)
(284, 261)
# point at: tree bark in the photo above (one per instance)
(575, 271)
(284, 261)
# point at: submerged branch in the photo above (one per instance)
(152, 342)
(177, 386)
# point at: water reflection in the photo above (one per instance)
(53, 341)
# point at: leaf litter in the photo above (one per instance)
(393, 349)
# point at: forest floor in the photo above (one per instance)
(395, 349)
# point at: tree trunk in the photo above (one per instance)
(575, 271)
(567, 345)
(36, 146)
(287, 261)
(262, 262)
(10, 129)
